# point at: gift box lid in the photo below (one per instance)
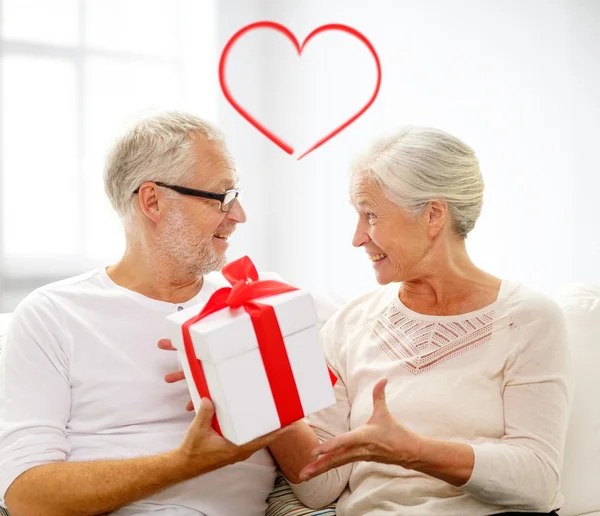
(229, 332)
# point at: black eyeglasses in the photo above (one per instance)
(226, 199)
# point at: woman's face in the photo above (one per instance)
(395, 241)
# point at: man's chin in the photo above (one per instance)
(222, 262)
(216, 263)
(213, 263)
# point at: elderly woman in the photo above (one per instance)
(453, 391)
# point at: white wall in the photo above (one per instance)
(246, 144)
(78, 72)
(517, 80)
(583, 130)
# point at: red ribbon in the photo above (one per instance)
(246, 287)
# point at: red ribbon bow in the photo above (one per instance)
(246, 287)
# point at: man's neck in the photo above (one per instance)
(153, 281)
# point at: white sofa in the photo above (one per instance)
(581, 471)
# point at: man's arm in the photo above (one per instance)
(35, 475)
(93, 488)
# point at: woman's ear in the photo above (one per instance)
(437, 214)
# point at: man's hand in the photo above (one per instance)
(201, 441)
(175, 376)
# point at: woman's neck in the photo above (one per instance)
(451, 285)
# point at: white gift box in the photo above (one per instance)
(226, 344)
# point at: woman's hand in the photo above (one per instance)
(380, 439)
(175, 376)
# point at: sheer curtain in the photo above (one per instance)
(74, 73)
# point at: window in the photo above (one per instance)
(73, 75)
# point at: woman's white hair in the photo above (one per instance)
(417, 165)
(158, 148)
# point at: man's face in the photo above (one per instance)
(196, 231)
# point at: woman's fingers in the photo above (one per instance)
(344, 441)
(379, 403)
(330, 461)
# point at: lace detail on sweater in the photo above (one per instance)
(423, 345)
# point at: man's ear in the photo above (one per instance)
(151, 201)
(437, 212)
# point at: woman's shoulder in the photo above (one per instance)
(362, 309)
(536, 315)
(542, 342)
(529, 303)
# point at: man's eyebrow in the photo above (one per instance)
(225, 184)
(228, 185)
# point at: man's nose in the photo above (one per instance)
(236, 212)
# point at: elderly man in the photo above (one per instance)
(88, 424)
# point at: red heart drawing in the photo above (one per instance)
(283, 30)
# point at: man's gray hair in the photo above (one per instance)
(417, 165)
(158, 148)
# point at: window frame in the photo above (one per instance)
(27, 275)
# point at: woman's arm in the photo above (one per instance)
(382, 439)
(521, 470)
(294, 450)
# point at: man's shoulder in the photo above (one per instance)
(71, 283)
(42, 297)
(39, 316)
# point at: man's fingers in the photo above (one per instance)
(166, 344)
(205, 413)
(175, 376)
(190, 406)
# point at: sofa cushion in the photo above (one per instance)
(4, 320)
(3, 323)
(581, 469)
